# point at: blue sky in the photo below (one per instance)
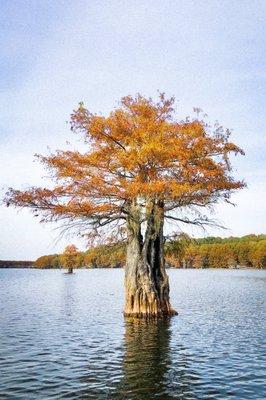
(209, 54)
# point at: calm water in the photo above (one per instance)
(64, 337)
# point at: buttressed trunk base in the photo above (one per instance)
(144, 300)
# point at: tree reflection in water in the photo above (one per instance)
(148, 369)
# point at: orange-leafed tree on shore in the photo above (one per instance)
(142, 167)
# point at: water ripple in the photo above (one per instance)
(65, 337)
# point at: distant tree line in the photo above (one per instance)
(16, 264)
(180, 252)
(112, 256)
(215, 252)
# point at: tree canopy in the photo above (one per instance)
(136, 153)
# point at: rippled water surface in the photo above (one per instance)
(64, 337)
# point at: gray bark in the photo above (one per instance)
(146, 281)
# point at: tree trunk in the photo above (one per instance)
(70, 270)
(146, 281)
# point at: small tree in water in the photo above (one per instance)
(142, 169)
(69, 258)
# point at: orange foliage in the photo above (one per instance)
(69, 258)
(136, 153)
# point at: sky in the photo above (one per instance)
(54, 54)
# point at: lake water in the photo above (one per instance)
(64, 337)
